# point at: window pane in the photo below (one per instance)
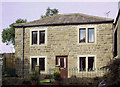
(82, 35)
(90, 63)
(90, 35)
(82, 63)
(34, 62)
(42, 37)
(34, 37)
(42, 63)
(62, 62)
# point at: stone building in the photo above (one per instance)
(78, 41)
(117, 35)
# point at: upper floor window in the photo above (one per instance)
(86, 35)
(38, 37)
(34, 37)
(42, 37)
(90, 35)
(82, 35)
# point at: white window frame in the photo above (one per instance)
(86, 62)
(38, 38)
(38, 62)
(86, 36)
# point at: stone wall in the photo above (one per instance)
(63, 40)
(9, 60)
(118, 37)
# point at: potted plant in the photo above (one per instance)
(34, 78)
(73, 76)
(47, 76)
(57, 77)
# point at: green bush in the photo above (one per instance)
(34, 76)
(113, 75)
(57, 75)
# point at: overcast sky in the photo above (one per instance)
(11, 11)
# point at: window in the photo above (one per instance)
(42, 63)
(90, 63)
(61, 62)
(39, 37)
(86, 35)
(82, 35)
(38, 61)
(90, 35)
(82, 63)
(34, 63)
(34, 37)
(87, 63)
(42, 37)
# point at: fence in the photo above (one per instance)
(97, 72)
(26, 72)
(12, 72)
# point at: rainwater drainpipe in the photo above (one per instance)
(23, 53)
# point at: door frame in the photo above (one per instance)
(56, 62)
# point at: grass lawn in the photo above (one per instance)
(45, 80)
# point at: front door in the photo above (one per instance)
(62, 62)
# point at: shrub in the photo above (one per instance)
(113, 76)
(34, 76)
(57, 75)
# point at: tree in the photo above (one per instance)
(8, 34)
(50, 12)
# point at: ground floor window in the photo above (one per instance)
(42, 63)
(82, 63)
(87, 63)
(90, 63)
(38, 61)
(34, 63)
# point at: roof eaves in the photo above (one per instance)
(62, 24)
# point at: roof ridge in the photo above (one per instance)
(72, 18)
(70, 14)
(86, 15)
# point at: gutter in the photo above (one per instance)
(63, 24)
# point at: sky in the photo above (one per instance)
(11, 11)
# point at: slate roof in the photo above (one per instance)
(74, 18)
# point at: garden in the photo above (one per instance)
(110, 79)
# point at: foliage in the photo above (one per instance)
(8, 34)
(50, 12)
(57, 75)
(113, 76)
(34, 76)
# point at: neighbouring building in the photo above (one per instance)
(77, 41)
(1, 59)
(117, 35)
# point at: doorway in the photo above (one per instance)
(62, 61)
